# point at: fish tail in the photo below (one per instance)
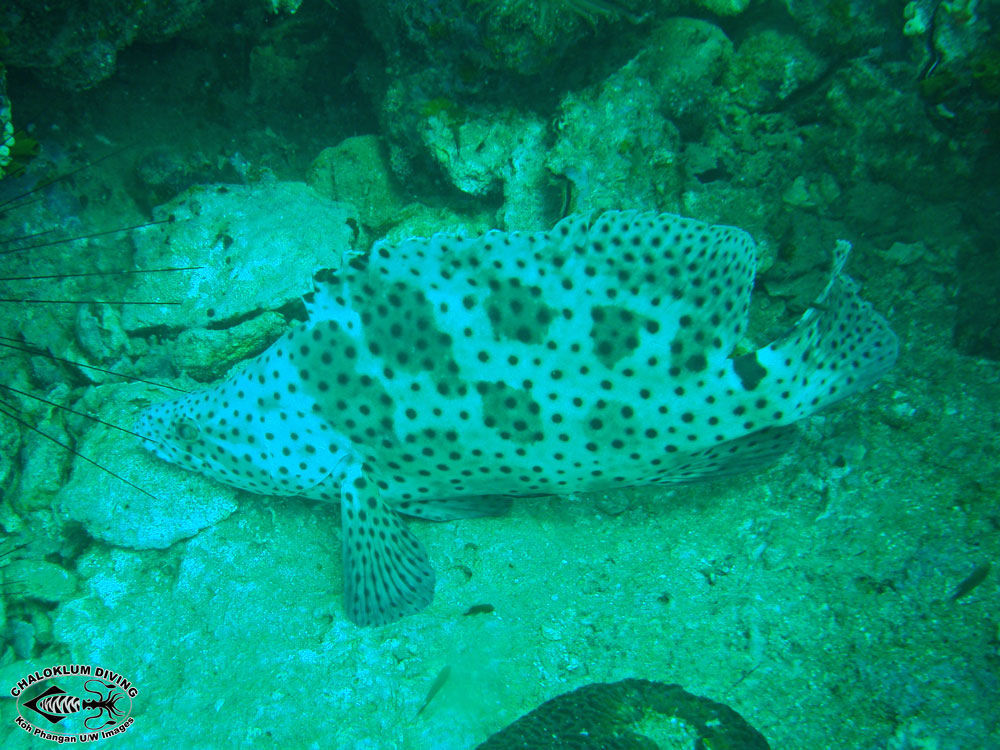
(839, 346)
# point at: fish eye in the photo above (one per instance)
(186, 429)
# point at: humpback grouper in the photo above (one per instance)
(438, 377)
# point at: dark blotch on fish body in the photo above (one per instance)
(749, 370)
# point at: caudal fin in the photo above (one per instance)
(838, 347)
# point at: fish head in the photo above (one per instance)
(193, 432)
(241, 434)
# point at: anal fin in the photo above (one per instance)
(752, 451)
(387, 574)
(454, 508)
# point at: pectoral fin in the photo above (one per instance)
(387, 574)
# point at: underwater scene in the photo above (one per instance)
(454, 374)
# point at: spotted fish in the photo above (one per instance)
(440, 376)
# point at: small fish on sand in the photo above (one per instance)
(439, 377)
(435, 687)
